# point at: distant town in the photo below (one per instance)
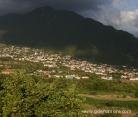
(59, 65)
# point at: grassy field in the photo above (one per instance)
(130, 104)
(109, 95)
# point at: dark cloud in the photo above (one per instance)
(23, 5)
(108, 12)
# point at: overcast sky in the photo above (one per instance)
(122, 14)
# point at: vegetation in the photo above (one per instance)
(22, 95)
(30, 92)
(112, 103)
(103, 94)
(136, 94)
(94, 84)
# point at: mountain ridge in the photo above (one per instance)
(61, 29)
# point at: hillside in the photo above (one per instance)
(65, 30)
(57, 85)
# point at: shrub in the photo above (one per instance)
(24, 95)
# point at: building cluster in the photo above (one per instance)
(53, 60)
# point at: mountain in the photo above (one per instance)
(65, 30)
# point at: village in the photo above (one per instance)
(59, 65)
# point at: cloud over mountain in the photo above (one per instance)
(122, 14)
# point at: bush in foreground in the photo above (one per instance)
(24, 96)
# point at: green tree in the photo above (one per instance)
(24, 96)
